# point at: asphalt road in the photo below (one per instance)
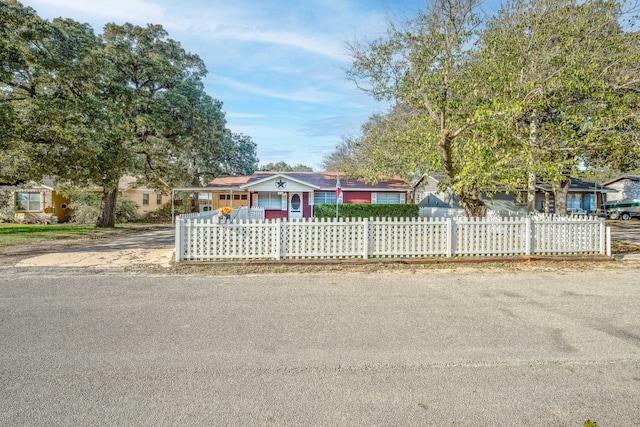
(436, 348)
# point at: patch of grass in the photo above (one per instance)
(16, 234)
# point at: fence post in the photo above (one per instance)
(278, 239)
(365, 224)
(528, 231)
(450, 237)
(178, 243)
(608, 238)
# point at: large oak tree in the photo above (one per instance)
(88, 109)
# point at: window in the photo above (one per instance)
(225, 197)
(574, 201)
(324, 197)
(145, 199)
(388, 198)
(28, 201)
(591, 201)
(270, 200)
(243, 197)
(236, 197)
(158, 199)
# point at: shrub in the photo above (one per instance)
(85, 207)
(352, 210)
(164, 213)
(126, 210)
(7, 210)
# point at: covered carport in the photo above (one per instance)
(200, 190)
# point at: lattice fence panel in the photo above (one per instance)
(492, 237)
(409, 237)
(310, 238)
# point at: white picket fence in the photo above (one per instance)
(204, 238)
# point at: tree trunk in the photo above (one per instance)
(560, 195)
(107, 215)
(561, 191)
(473, 206)
(194, 202)
(532, 179)
(547, 203)
(531, 192)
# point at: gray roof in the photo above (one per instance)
(620, 178)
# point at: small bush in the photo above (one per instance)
(352, 210)
(164, 213)
(126, 210)
(7, 210)
(85, 207)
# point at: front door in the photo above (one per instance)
(295, 205)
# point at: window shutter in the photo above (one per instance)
(311, 198)
(403, 198)
(284, 201)
(254, 200)
(374, 198)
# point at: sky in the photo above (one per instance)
(278, 66)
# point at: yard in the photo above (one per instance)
(19, 234)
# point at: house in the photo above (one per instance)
(148, 199)
(582, 197)
(427, 193)
(291, 195)
(226, 191)
(36, 202)
(627, 187)
(624, 199)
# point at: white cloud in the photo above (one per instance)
(318, 44)
(309, 95)
(234, 115)
(119, 10)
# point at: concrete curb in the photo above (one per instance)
(406, 261)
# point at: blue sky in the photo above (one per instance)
(278, 66)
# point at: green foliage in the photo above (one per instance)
(164, 213)
(85, 207)
(533, 90)
(7, 209)
(284, 167)
(126, 211)
(590, 423)
(89, 109)
(361, 210)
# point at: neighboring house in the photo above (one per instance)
(147, 199)
(37, 203)
(583, 197)
(627, 187)
(293, 195)
(427, 193)
(226, 191)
